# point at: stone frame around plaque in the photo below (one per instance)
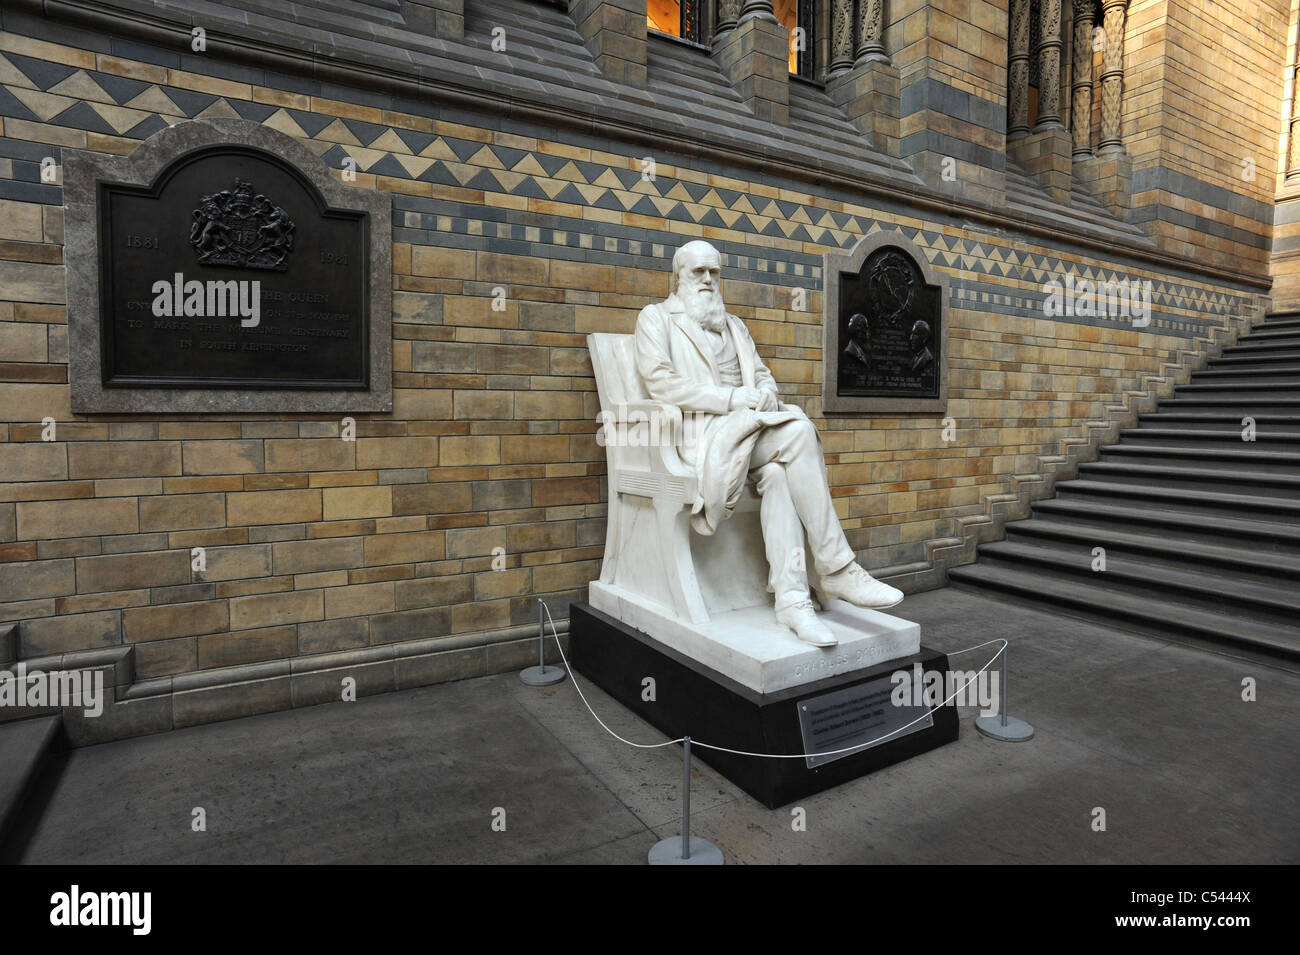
(836, 264)
(83, 174)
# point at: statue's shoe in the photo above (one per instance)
(802, 619)
(856, 586)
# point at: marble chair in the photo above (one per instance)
(651, 555)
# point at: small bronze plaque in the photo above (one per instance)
(847, 721)
(231, 271)
(889, 325)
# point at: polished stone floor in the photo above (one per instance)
(1156, 734)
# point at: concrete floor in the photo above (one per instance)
(1155, 733)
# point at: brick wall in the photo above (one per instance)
(315, 544)
(1284, 266)
(1203, 86)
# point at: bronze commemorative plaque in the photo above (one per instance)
(231, 271)
(889, 324)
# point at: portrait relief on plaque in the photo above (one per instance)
(890, 320)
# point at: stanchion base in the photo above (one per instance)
(541, 676)
(669, 852)
(1015, 730)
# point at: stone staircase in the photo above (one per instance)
(1199, 528)
(30, 758)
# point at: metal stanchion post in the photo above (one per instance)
(686, 798)
(688, 850)
(541, 675)
(1009, 729)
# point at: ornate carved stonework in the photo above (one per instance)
(1112, 73)
(841, 35)
(871, 23)
(1049, 65)
(1081, 80)
(1018, 70)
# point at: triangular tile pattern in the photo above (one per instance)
(41, 91)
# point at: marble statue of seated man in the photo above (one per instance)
(691, 353)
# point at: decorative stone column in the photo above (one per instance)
(1112, 76)
(1049, 67)
(728, 17)
(1044, 153)
(1293, 148)
(614, 32)
(1081, 81)
(1018, 71)
(841, 36)
(862, 81)
(1108, 175)
(757, 10)
(755, 55)
(871, 31)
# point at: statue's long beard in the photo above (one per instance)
(706, 308)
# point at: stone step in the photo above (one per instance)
(28, 749)
(1200, 528)
(1265, 360)
(1218, 421)
(1031, 197)
(1208, 529)
(1227, 438)
(1270, 603)
(1269, 335)
(1244, 456)
(1270, 372)
(1228, 479)
(1243, 388)
(1255, 406)
(1188, 500)
(1142, 613)
(1168, 548)
(1263, 349)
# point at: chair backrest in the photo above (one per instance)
(613, 358)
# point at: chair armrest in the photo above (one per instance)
(620, 424)
(640, 437)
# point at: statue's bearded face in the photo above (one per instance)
(699, 287)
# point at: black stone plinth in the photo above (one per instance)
(691, 699)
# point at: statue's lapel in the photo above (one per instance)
(743, 354)
(695, 334)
